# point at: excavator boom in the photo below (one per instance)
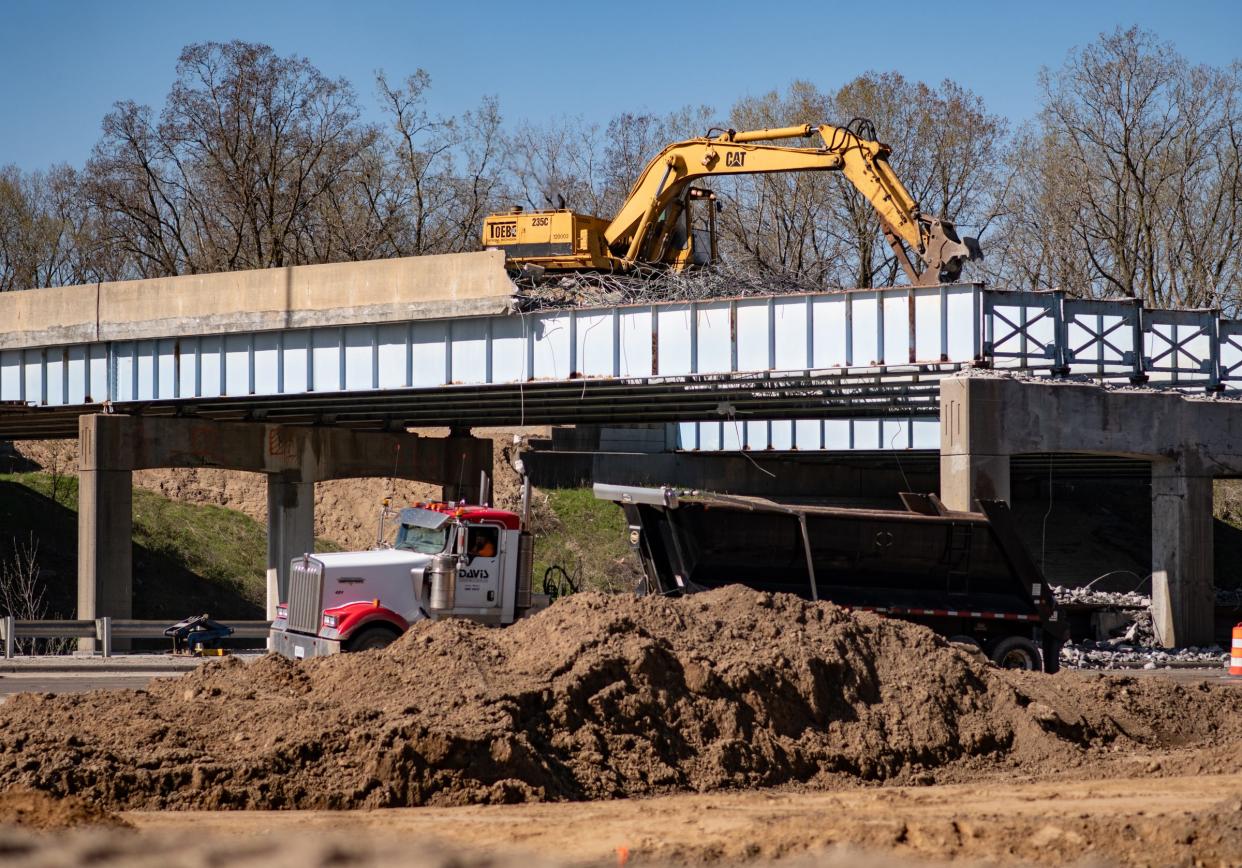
(649, 229)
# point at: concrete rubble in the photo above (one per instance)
(1135, 645)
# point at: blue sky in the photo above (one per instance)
(62, 64)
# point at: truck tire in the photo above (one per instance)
(1016, 652)
(371, 639)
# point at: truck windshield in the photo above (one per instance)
(424, 540)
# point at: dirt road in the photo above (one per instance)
(1124, 821)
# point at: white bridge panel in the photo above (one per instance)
(675, 348)
(636, 344)
(470, 355)
(597, 348)
(714, 338)
(553, 336)
(896, 331)
(831, 331)
(864, 330)
(793, 342)
(754, 339)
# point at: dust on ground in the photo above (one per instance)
(605, 697)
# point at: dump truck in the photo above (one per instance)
(668, 221)
(965, 575)
(432, 560)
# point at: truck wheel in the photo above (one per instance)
(1016, 652)
(371, 639)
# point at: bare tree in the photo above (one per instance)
(1128, 184)
(48, 232)
(22, 592)
(815, 226)
(234, 170)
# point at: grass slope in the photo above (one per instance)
(187, 558)
(588, 538)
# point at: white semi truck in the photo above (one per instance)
(443, 560)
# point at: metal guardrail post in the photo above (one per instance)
(103, 630)
(1215, 375)
(10, 640)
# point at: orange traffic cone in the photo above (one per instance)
(1235, 653)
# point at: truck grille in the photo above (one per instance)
(305, 594)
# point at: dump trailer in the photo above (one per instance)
(965, 575)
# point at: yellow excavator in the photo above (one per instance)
(656, 224)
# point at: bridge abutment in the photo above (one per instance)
(985, 420)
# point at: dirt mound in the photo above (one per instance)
(37, 810)
(598, 697)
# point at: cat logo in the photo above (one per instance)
(735, 159)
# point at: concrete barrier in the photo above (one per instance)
(336, 294)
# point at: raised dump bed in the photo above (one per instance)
(966, 575)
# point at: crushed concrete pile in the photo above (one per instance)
(598, 697)
(1116, 654)
(1134, 645)
(1088, 596)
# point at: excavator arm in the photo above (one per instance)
(631, 236)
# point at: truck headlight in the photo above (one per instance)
(282, 612)
(329, 621)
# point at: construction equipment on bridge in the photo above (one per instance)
(656, 225)
(965, 575)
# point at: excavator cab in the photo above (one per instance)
(685, 232)
(682, 236)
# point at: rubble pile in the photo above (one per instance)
(1088, 596)
(1134, 646)
(647, 284)
(597, 697)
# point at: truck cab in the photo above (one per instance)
(432, 560)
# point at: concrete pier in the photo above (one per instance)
(105, 530)
(290, 532)
(1189, 441)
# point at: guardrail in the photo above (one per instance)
(105, 630)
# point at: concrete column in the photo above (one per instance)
(105, 525)
(290, 532)
(1182, 592)
(465, 457)
(974, 463)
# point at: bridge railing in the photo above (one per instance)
(105, 630)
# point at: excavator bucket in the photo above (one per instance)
(946, 253)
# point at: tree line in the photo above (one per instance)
(1126, 183)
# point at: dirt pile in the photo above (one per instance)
(598, 697)
(36, 810)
